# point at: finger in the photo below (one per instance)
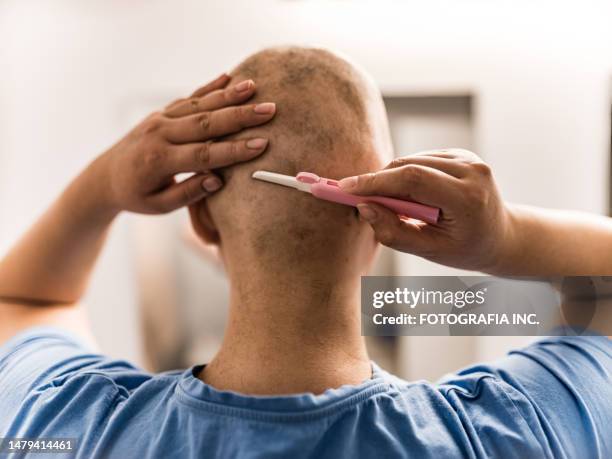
(452, 153)
(218, 83)
(185, 193)
(391, 231)
(453, 167)
(220, 98)
(197, 157)
(437, 153)
(173, 104)
(412, 182)
(209, 125)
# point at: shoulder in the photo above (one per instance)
(476, 414)
(53, 379)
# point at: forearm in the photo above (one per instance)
(53, 260)
(558, 243)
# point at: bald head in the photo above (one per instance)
(325, 103)
(330, 120)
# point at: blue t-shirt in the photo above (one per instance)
(552, 399)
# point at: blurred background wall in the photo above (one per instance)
(524, 84)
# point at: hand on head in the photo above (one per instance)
(184, 138)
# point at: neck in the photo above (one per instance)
(290, 337)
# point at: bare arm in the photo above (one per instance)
(52, 262)
(48, 269)
(557, 242)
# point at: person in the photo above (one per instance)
(292, 377)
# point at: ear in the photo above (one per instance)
(202, 222)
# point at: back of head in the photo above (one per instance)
(330, 120)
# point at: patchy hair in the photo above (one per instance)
(329, 121)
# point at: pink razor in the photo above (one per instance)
(329, 190)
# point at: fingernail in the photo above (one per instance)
(211, 184)
(367, 212)
(348, 183)
(257, 144)
(243, 86)
(265, 109)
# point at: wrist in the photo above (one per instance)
(507, 244)
(91, 193)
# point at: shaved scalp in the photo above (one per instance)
(314, 78)
(330, 120)
(327, 108)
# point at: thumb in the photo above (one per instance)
(392, 231)
(185, 193)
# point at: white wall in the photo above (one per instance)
(540, 73)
